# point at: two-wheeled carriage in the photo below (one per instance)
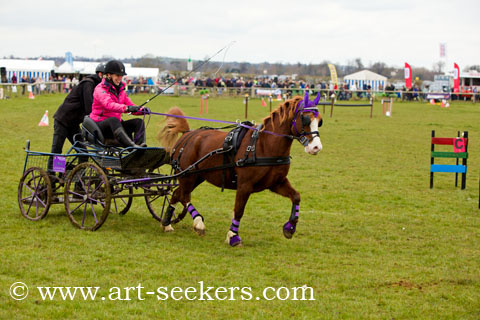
(93, 179)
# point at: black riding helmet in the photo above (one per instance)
(115, 67)
(100, 68)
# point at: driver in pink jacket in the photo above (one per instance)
(109, 102)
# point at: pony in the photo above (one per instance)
(259, 163)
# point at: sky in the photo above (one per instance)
(339, 31)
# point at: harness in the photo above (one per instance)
(301, 108)
(229, 150)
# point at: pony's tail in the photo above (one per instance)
(168, 135)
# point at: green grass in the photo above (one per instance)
(374, 241)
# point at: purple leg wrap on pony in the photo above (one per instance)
(290, 227)
(235, 240)
(193, 212)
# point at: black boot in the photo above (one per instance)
(123, 138)
(141, 140)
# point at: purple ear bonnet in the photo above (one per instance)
(309, 106)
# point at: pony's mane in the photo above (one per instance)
(285, 111)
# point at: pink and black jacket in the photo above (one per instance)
(108, 102)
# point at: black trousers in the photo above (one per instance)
(133, 127)
(61, 133)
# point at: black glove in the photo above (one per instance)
(133, 109)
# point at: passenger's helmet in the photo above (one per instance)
(100, 68)
(115, 67)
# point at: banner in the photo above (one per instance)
(189, 64)
(456, 78)
(333, 73)
(443, 50)
(408, 76)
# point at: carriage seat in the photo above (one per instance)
(92, 133)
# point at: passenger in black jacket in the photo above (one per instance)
(74, 108)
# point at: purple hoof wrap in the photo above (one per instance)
(289, 229)
(235, 241)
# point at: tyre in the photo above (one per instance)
(34, 194)
(87, 196)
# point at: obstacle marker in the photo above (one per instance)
(460, 145)
(44, 121)
(30, 95)
(335, 104)
(204, 100)
(387, 107)
(264, 104)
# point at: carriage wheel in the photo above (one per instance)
(123, 204)
(159, 200)
(34, 194)
(87, 196)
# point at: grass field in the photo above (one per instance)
(373, 241)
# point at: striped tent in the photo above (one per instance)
(27, 68)
(376, 81)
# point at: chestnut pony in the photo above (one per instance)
(261, 162)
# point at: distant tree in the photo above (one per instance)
(472, 68)
(438, 66)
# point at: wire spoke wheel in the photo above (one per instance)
(34, 194)
(121, 199)
(159, 199)
(87, 196)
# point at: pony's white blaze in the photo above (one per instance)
(315, 145)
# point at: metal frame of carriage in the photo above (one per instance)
(92, 180)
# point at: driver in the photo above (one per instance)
(109, 102)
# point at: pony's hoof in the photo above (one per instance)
(289, 230)
(199, 226)
(200, 232)
(168, 228)
(234, 239)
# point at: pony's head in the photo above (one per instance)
(305, 123)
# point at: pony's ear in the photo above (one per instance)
(305, 100)
(317, 99)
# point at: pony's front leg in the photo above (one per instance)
(285, 189)
(241, 198)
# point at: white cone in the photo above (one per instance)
(44, 121)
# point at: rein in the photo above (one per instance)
(302, 139)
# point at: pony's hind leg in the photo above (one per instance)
(187, 185)
(285, 189)
(198, 224)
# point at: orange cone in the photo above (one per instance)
(44, 121)
(264, 104)
(31, 96)
(279, 97)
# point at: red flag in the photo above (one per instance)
(408, 76)
(456, 78)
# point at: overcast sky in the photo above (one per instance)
(337, 31)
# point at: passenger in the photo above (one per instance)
(109, 102)
(76, 106)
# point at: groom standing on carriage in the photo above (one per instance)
(74, 108)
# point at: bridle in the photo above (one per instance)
(306, 106)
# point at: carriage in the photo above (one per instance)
(94, 178)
